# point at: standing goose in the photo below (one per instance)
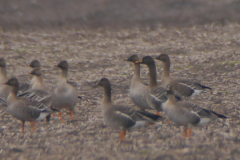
(34, 64)
(24, 109)
(65, 95)
(4, 90)
(138, 90)
(122, 117)
(37, 91)
(182, 87)
(185, 113)
(27, 86)
(156, 94)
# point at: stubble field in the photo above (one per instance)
(206, 53)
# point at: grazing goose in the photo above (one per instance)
(4, 90)
(24, 109)
(138, 90)
(182, 87)
(156, 96)
(65, 95)
(185, 113)
(122, 117)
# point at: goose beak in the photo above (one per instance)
(139, 62)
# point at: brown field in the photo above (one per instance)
(202, 39)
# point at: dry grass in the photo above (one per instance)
(209, 54)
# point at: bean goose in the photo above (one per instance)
(64, 95)
(27, 86)
(156, 96)
(4, 90)
(38, 92)
(24, 109)
(122, 117)
(36, 64)
(185, 113)
(182, 87)
(138, 90)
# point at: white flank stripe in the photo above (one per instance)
(196, 93)
(42, 116)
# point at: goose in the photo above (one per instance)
(64, 95)
(187, 114)
(182, 87)
(122, 117)
(23, 108)
(27, 86)
(4, 89)
(156, 94)
(138, 90)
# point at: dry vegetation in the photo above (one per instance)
(209, 53)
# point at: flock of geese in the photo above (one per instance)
(32, 102)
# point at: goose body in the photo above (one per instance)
(181, 87)
(25, 109)
(156, 96)
(122, 117)
(65, 95)
(187, 114)
(138, 90)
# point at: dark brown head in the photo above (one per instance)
(132, 58)
(2, 62)
(35, 64)
(36, 72)
(148, 60)
(163, 58)
(104, 82)
(169, 90)
(12, 82)
(63, 65)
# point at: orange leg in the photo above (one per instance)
(71, 114)
(185, 132)
(123, 133)
(33, 125)
(23, 126)
(157, 113)
(168, 121)
(189, 132)
(60, 114)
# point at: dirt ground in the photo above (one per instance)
(203, 47)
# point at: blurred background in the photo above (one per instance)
(27, 14)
